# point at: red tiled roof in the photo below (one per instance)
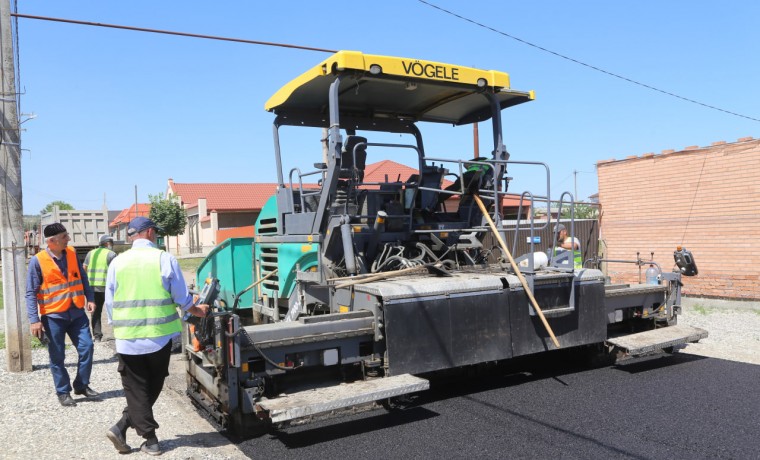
(239, 197)
(143, 209)
(376, 172)
(225, 197)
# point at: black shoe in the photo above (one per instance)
(119, 440)
(152, 448)
(87, 391)
(98, 338)
(66, 400)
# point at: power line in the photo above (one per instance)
(324, 50)
(629, 80)
(169, 32)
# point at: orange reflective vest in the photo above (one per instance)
(57, 292)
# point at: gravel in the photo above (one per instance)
(734, 329)
(35, 425)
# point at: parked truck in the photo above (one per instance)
(85, 227)
(354, 292)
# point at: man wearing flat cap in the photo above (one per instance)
(144, 287)
(57, 294)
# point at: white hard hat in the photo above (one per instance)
(106, 239)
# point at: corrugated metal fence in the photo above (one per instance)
(587, 231)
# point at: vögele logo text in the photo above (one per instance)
(430, 70)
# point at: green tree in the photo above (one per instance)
(168, 214)
(62, 205)
(582, 211)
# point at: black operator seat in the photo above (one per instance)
(353, 147)
(432, 177)
(478, 176)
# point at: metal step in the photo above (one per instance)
(317, 401)
(657, 339)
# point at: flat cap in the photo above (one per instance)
(56, 228)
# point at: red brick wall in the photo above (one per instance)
(706, 199)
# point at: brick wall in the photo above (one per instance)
(706, 199)
(235, 232)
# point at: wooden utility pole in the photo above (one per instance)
(18, 347)
(476, 141)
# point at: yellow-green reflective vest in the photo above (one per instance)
(97, 269)
(142, 308)
(577, 257)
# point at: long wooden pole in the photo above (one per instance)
(381, 276)
(516, 269)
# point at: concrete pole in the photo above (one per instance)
(18, 348)
(575, 185)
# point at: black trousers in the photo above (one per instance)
(142, 377)
(100, 298)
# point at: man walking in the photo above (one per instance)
(57, 284)
(96, 264)
(144, 287)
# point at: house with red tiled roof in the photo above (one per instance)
(117, 228)
(218, 211)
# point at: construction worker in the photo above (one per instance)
(566, 243)
(144, 287)
(57, 284)
(96, 264)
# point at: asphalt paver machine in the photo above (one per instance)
(354, 290)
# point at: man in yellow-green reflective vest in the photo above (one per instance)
(566, 243)
(144, 287)
(96, 265)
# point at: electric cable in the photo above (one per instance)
(170, 32)
(694, 200)
(598, 69)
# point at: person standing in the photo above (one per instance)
(96, 264)
(567, 243)
(57, 293)
(564, 241)
(144, 287)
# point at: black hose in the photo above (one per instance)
(267, 359)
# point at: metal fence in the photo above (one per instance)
(586, 230)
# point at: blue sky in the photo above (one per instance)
(117, 109)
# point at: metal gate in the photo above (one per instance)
(193, 237)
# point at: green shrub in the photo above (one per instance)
(35, 342)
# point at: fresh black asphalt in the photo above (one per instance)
(670, 406)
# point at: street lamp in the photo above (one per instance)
(29, 116)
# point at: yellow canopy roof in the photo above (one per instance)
(375, 86)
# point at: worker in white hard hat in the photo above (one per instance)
(96, 264)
